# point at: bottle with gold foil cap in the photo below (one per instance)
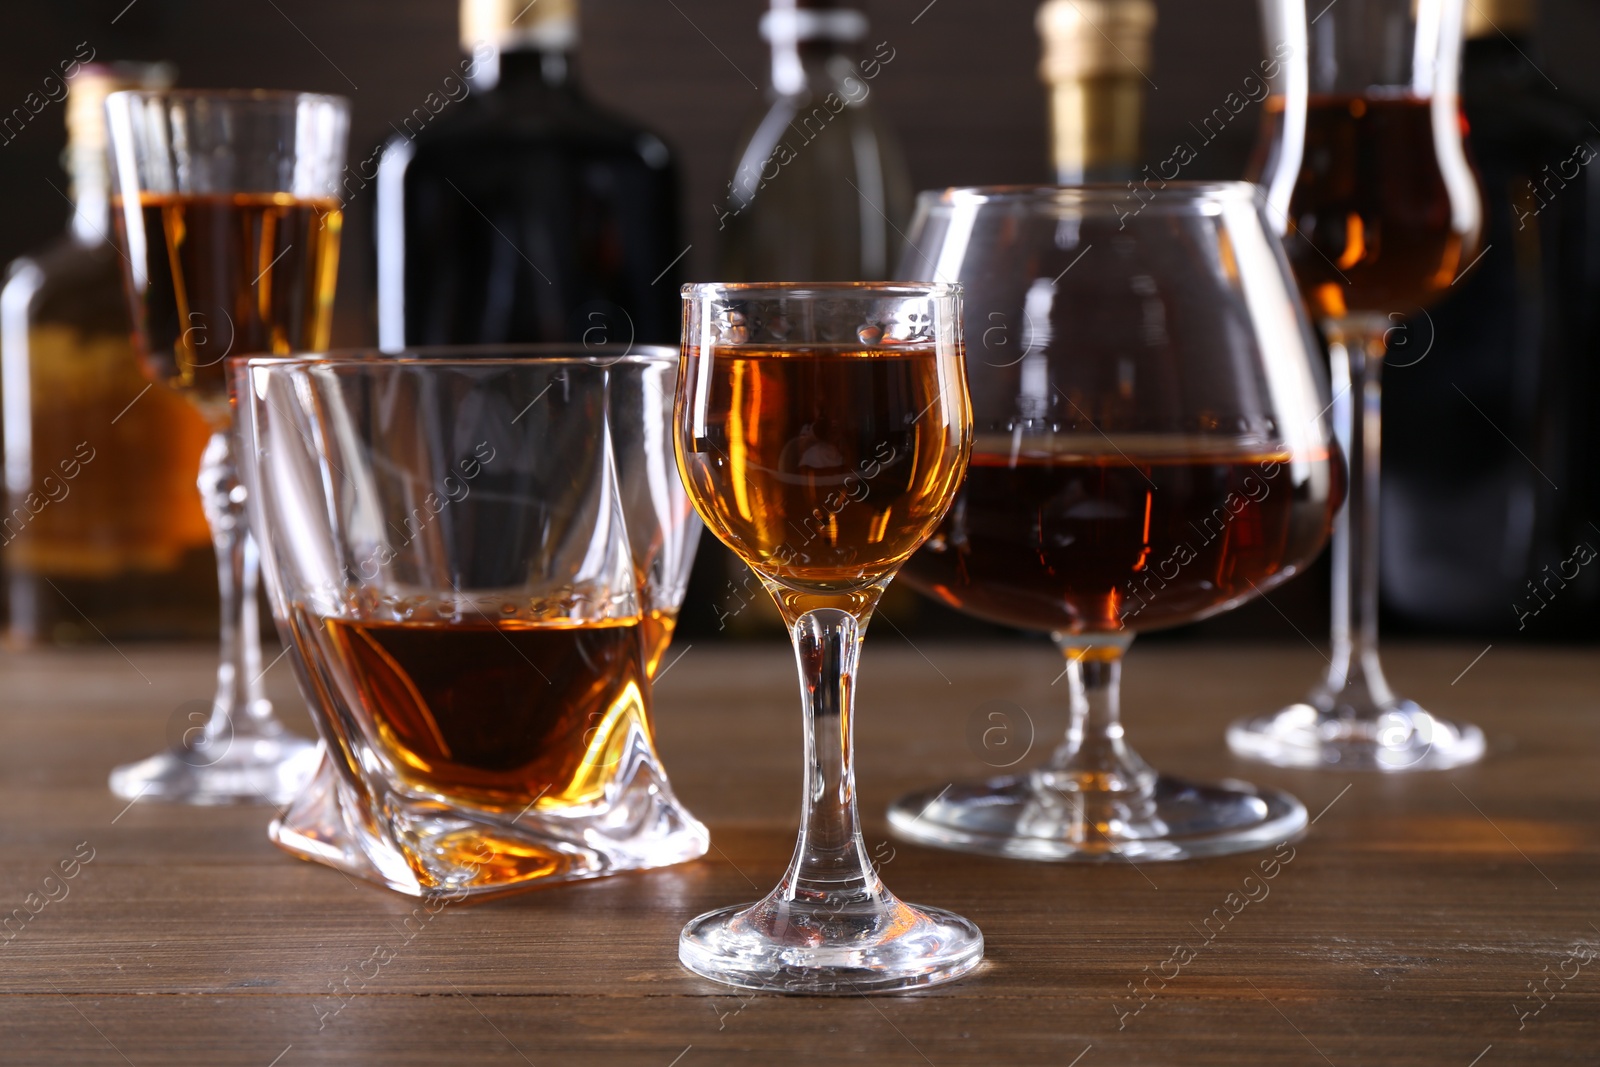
(1096, 53)
(102, 534)
(512, 25)
(1481, 18)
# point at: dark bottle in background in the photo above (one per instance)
(819, 189)
(1491, 467)
(524, 212)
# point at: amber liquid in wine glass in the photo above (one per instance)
(1371, 222)
(242, 273)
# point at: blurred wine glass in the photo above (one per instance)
(1361, 151)
(226, 211)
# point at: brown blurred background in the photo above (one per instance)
(962, 92)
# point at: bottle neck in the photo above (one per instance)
(91, 194)
(1094, 128)
(811, 47)
(815, 66)
(524, 71)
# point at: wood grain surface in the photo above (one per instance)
(1411, 926)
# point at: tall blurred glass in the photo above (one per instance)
(1362, 158)
(227, 216)
(478, 555)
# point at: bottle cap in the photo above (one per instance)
(1094, 37)
(87, 91)
(512, 25)
(1486, 18)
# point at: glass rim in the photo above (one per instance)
(1092, 193)
(234, 96)
(805, 290)
(552, 353)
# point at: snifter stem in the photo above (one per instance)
(1095, 771)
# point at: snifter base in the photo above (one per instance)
(1401, 737)
(870, 943)
(252, 770)
(1025, 817)
(425, 849)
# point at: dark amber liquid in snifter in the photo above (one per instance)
(1166, 531)
(823, 465)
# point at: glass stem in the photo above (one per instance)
(240, 709)
(830, 864)
(1356, 349)
(1095, 768)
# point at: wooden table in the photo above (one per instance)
(1408, 928)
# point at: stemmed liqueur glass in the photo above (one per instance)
(1362, 139)
(1150, 448)
(821, 431)
(226, 211)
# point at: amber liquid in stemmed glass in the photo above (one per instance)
(1383, 218)
(1164, 532)
(1371, 226)
(243, 273)
(826, 466)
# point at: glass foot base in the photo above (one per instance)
(425, 849)
(1028, 817)
(1402, 737)
(878, 944)
(251, 771)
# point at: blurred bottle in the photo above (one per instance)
(1491, 463)
(512, 209)
(102, 533)
(1095, 53)
(819, 193)
(819, 189)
